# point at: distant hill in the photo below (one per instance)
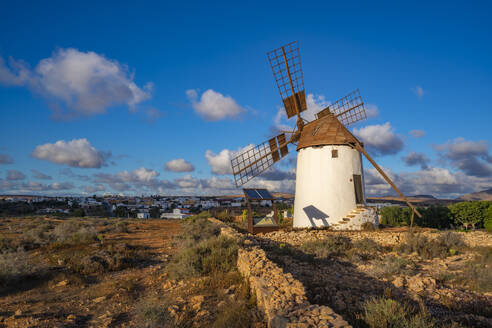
(480, 195)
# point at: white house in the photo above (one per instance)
(178, 213)
(209, 203)
(143, 215)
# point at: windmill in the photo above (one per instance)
(329, 175)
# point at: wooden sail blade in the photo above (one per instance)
(256, 160)
(360, 148)
(348, 110)
(385, 177)
(287, 71)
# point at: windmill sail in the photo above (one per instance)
(256, 160)
(348, 110)
(287, 70)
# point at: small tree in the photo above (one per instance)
(154, 212)
(468, 213)
(120, 212)
(488, 219)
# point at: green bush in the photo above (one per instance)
(446, 244)
(470, 214)
(211, 256)
(388, 313)
(438, 217)
(395, 215)
(332, 246)
(487, 224)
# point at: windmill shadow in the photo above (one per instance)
(313, 214)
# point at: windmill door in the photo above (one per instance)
(359, 197)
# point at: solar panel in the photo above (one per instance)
(264, 193)
(258, 194)
(252, 193)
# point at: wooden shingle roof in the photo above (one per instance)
(326, 130)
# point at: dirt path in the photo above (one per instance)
(109, 300)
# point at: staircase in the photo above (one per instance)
(355, 218)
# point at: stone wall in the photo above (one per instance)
(385, 238)
(279, 296)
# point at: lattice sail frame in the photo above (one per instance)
(279, 69)
(258, 159)
(348, 110)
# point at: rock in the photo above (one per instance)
(18, 312)
(62, 283)
(71, 317)
(99, 299)
(196, 302)
(398, 282)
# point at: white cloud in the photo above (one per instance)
(153, 114)
(214, 106)
(416, 158)
(75, 153)
(95, 188)
(40, 175)
(221, 162)
(179, 165)
(380, 139)
(471, 157)
(419, 91)
(6, 159)
(15, 175)
(314, 103)
(372, 111)
(141, 175)
(417, 133)
(85, 82)
(32, 186)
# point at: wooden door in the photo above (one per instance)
(359, 196)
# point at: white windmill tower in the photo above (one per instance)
(329, 176)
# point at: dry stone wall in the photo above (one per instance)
(279, 296)
(385, 238)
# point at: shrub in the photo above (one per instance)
(121, 226)
(488, 219)
(393, 265)
(438, 217)
(388, 313)
(154, 313)
(211, 256)
(446, 244)
(74, 232)
(368, 226)
(469, 213)
(225, 216)
(14, 267)
(196, 229)
(332, 246)
(395, 215)
(235, 314)
(477, 274)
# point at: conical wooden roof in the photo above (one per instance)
(326, 130)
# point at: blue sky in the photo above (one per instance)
(100, 96)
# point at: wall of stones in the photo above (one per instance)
(280, 297)
(385, 238)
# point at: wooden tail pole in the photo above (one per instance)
(369, 158)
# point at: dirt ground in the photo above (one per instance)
(61, 299)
